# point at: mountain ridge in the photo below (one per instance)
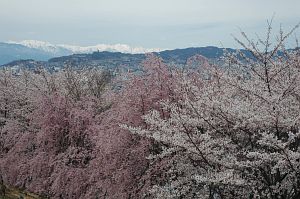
(47, 46)
(43, 50)
(117, 60)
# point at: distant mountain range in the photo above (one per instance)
(10, 52)
(115, 60)
(32, 54)
(42, 51)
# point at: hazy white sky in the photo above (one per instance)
(147, 23)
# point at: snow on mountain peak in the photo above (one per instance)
(56, 48)
(36, 44)
(42, 45)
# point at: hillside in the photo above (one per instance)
(118, 60)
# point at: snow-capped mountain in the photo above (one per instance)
(42, 51)
(44, 46)
(59, 49)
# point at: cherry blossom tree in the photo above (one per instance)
(48, 122)
(235, 133)
(73, 145)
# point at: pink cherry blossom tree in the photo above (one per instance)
(73, 145)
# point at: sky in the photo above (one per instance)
(147, 23)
